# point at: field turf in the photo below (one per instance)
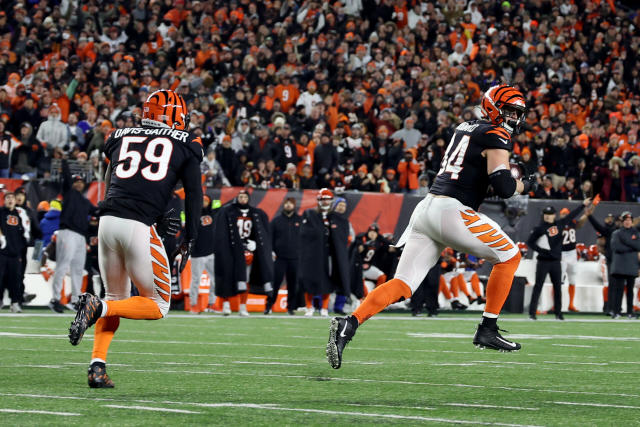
(206, 369)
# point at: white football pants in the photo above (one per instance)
(569, 265)
(71, 253)
(438, 222)
(128, 251)
(198, 265)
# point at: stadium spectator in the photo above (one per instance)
(374, 65)
(202, 258)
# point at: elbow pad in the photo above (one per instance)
(503, 183)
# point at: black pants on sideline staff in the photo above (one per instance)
(285, 268)
(9, 277)
(554, 270)
(616, 290)
(427, 293)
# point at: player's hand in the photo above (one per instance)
(169, 224)
(251, 245)
(3, 242)
(587, 201)
(185, 252)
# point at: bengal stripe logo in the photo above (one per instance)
(160, 265)
(552, 231)
(501, 132)
(484, 232)
(206, 220)
(12, 220)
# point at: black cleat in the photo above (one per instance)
(559, 316)
(340, 312)
(457, 305)
(341, 331)
(533, 317)
(27, 298)
(97, 376)
(488, 337)
(55, 305)
(89, 310)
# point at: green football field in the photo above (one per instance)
(206, 369)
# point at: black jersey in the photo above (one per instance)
(463, 172)
(244, 224)
(146, 163)
(204, 242)
(569, 236)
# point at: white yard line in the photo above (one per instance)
(421, 408)
(244, 362)
(150, 408)
(275, 407)
(574, 345)
(597, 405)
(34, 411)
(525, 337)
(478, 405)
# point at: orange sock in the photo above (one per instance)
(605, 293)
(444, 288)
(103, 334)
(453, 287)
(243, 297)
(462, 285)
(134, 308)
(572, 294)
(475, 284)
(500, 284)
(381, 297)
(381, 280)
(309, 300)
(365, 290)
(325, 301)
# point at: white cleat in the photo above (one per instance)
(226, 308)
(310, 312)
(324, 312)
(15, 308)
(242, 311)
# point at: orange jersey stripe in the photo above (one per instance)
(506, 248)
(480, 228)
(469, 219)
(490, 237)
(160, 272)
(163, 286)
(159, 258)
(154, 237)
(499, 243)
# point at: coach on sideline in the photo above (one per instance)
(625, 245)
(71, 244)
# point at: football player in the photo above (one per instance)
(477, 156)
(569, 254)
(145, 164)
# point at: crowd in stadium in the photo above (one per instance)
(354, 94)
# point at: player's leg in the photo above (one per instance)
(555, 273)
(63, 260)
(474, 233)
(197, 267)
(630, 283)
(571, 275)
(76, 267)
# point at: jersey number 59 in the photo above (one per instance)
(157, 152)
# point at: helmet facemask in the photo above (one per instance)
(513, 117)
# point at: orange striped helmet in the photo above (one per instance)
(165, 108)
(504, 106)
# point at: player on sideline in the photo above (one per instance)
(144, 165)
(477, 155)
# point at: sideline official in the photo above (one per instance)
(546, 240)
(625, 245)
(285, 238)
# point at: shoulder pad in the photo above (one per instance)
(195, 145)
(492, 136)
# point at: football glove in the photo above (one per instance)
(530, 181)
(185, 252)
(169, 224)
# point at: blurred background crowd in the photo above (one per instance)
(352, 94)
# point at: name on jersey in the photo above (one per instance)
(467, 127)
(173, 133)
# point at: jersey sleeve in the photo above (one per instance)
(109, 146)
(195, 146)
(491, 136)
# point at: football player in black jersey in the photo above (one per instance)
(569, 254)
(477, 156)
(145, 164)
